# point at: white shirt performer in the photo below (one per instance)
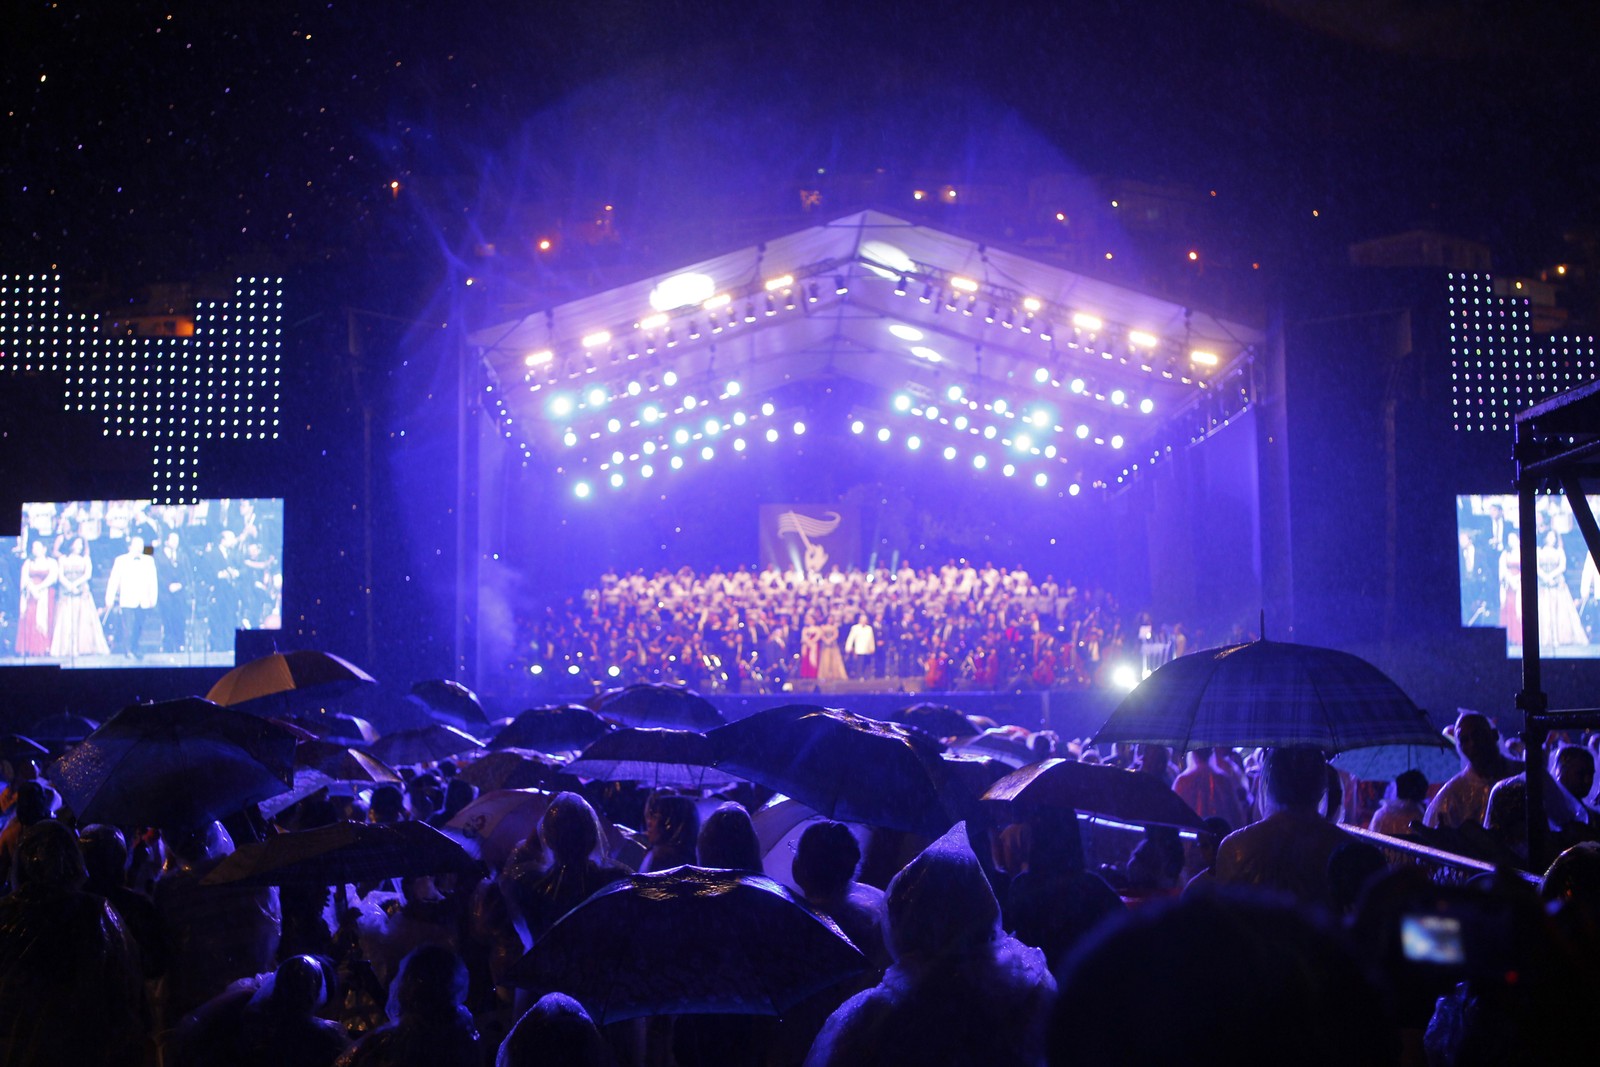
(131, 591)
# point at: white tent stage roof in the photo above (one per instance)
(958, 342)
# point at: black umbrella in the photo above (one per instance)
(64, 728)
(436, 741)
(450, 699)
(669, 707)
(343, 852)
(843, 765)
(1111, 792)
(562, 728)
(688, 941)
(339, 763)
(176, 764)
(940, 720)
(334, 726)
(1268, 693)
(680, 758)
(511, 768)
(285, 681)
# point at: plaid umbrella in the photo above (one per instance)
(1127, 796)
(1382, 763)
(688, 941)
(679, 758)
(670, 707)
(1268, 693)
(343, 852)
(843, 765)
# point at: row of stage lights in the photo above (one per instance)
(646, 460)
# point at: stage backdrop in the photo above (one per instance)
(815, 537)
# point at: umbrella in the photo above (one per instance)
(562, 728)
(667, 706)
(1110, 792)
(510, 768)
(335, 726)
(842, 765)
(1382, 763)
(779, 826)
(1000, 744)
(500, 821)
(687, 941)
(940, 720)
(175, 764)
(680, 758)
(16, 748)
(1268, 693)
(339, 763)
(63, 728)
(451, 699)
(343, 852)
(436, 741)
(289, 678)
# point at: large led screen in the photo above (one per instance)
(128, 583)
(1488, 556)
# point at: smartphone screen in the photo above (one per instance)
(1432, 939)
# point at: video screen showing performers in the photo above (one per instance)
(1488, 555)
(128, 583)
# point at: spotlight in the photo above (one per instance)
(927, 294)
(670, 378)
(733, 389)
(913, 442)
(738, 444)
(616, 480)
(949, 452)
(1118, 397)
(883, 434)
(707, 452)
(1116, 441)
(1124, 676)
(1008, 470)
(799, 428)
(772, 435)
(581, 490)
(954, 392)
(1147, 405)
(677, 463)
(646, 471)
(858, 426)
(1074, 489)
(839, 286)
(980, 461)
(1077, 385)
(1082, 431)
(614, 425)
(900, 286)
(1041, 375)
(561, 406)
(1041, 479)
(902, 402)
(634, 388)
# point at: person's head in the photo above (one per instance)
(1477, 740)
(105, 856)
(135, 545)
(1575, 770)
(1350, 868)
(671, 819)
(457, 793)
(728, 840)
(228, 540)
(388, 804)
(38, 549)
(1198, 757)
(1295, 776)
(194, 844)
(1552, 539)
(33, 802)
(48, 856)
(1411, 785)
(555, 1032)
(76, 547)
(173, 541)
(571, 830)
(940, 906)
(432, 984)
(825, 860)
(299, 986)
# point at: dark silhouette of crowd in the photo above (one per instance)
(957, 626)
(1024, 935)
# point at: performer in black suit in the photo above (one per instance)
(175, 575)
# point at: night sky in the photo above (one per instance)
(145, 142)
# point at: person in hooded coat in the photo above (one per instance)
(960, 991)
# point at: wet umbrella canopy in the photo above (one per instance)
(1268, 693)
(666, 706)
(176, 764)
(287, 680)
(343, 852)
(561, 728)
(451, 699)
(1111, 792)
(425, 744)
(681, 758)
(688, 941)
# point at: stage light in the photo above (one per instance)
(1142, 339)
(613, 670)
(1082, 431)
(749, 312)
(1031, 304)
(1041, 479)
(538, 359)
(681, 436)
(649, 448)
(646, 471)
(1147, 405)
(733, 389)
(883, 434)
(811, 293)
(596, 339)
(954, 392)
(772, 435)
(738, 444)
(1085, 321)
(1118, 397)
(614, 425)
(676, 463)
(738, 418)
(572, 669)
(1000, 406)
(616, 480)
(1116, 440)
(561, 406)
(581, 490)
(689, 402)
(767, 408)
(1049, 451)
(669, 379)
(960, 422)
(927, 294)
(617, 457)
(1077, 385)
(1040, 418)
(966, 285)
(900, 286)
(904, 332)
(913, 442)
(537, 668)
(799, 428)
(989, 432)
(949, 452)
(713, 427)
(858, 427)
(596, 397)
(1022, 442)
(721, 300)
(839, 287)
(681, 290)
(1123, 676)
(783, 281)
(1204, 359)
(930, 413)
(634, 388)
(569, 439)
(980, 461)
(929, 354)
(650, 413)
(653, 322)
(902, 402)
(707, 452)
(1041, 375)
(1008, 470)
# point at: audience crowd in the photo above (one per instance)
(1024, 936)
(958, 626)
